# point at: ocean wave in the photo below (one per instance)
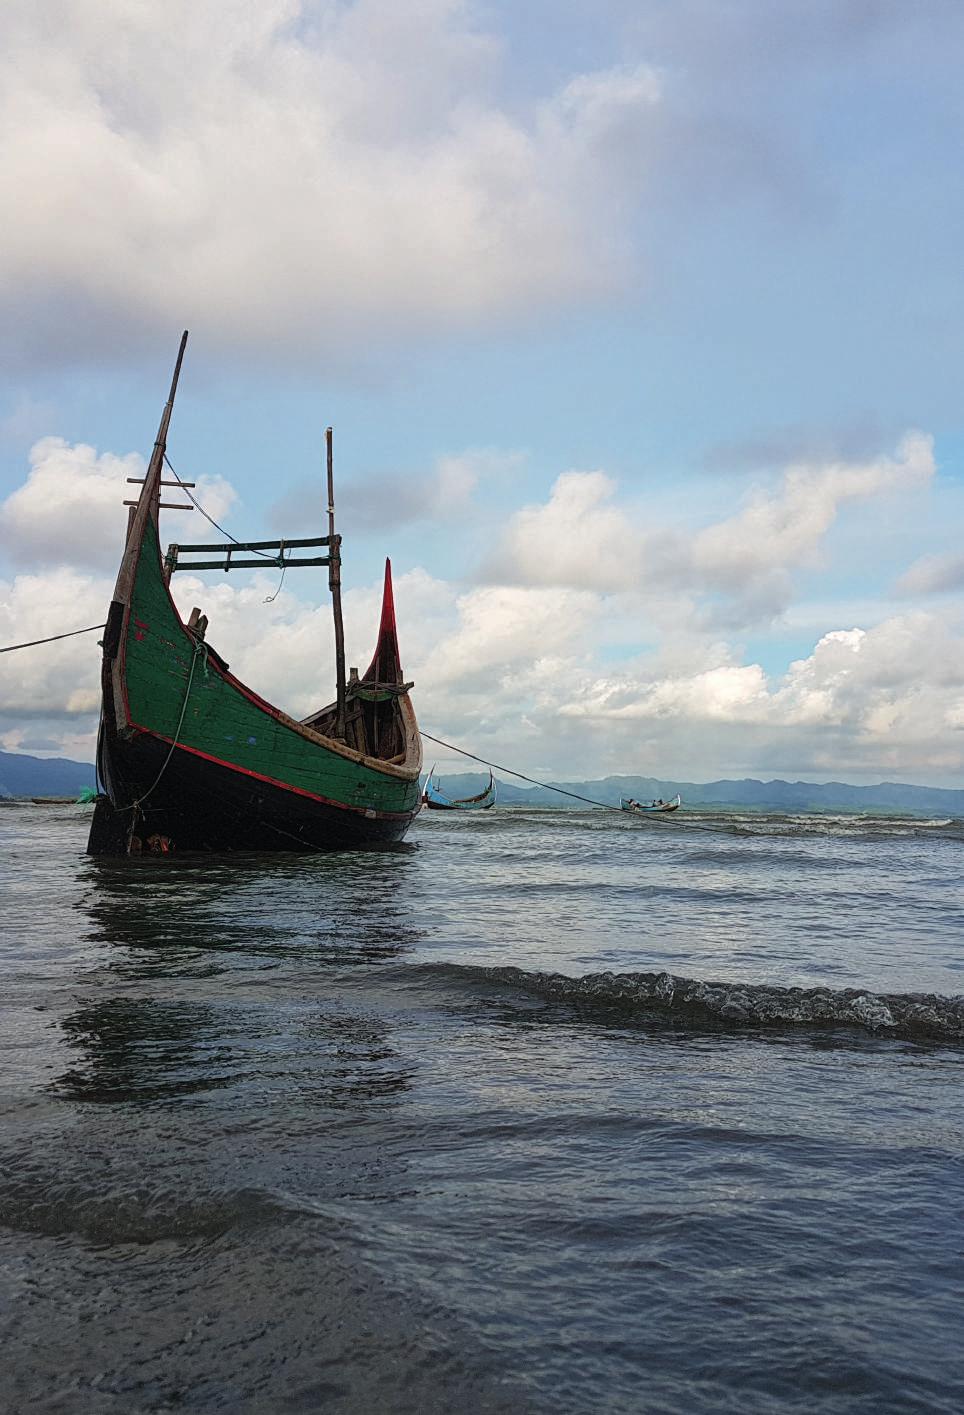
(55, 1204)
(743, 1005)
(863, 828)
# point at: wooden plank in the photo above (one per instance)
(140, 480)
(334, 585)
(164, 506)
(265, 563)
(257, 544)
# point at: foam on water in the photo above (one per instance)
(750, 1004)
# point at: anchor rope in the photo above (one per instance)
(199, 649)
(450, 746)
(32, 643)
(521, 775)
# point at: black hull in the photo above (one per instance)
(203, 805)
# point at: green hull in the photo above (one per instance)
(224, 720)
(191, 758)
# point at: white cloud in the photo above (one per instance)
(583, 678)
(729, 692)
(577, 538)
(751, 555)
(70, 509)
(886, 700)
(60, 679)
(295, 174)
(581, 538)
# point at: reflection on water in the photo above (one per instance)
(336, 909)
(203, 935)
(333, 1133)
(141, 1049)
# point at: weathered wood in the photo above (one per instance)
(165, 505)
(254, 545)
(144, 510)
(139, 481)
(261, 563)
(334, 584)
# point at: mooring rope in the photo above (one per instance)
(199, 650)
(32, 643)
(494, 766)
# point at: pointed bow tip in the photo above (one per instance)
(388, 599)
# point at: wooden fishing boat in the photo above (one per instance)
(436, 800)
(657, 807)
(190, 758)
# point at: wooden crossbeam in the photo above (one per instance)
(262, 563)
(278, 545)
(138, 481)
(164, 505)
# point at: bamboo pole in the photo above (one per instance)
(334, 584)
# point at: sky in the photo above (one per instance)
(639, 323)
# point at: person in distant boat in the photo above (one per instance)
(633, 804)
(660, 801)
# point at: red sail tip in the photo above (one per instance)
(385, 666)
(388, 603)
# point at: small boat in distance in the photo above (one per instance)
(436, 800)
(192, 759)
(659, 807)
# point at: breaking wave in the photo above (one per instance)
(742, 1005)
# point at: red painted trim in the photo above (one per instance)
(273, 781)
(386, 663)
(387, 624)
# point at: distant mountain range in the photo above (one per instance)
(748, 794)
(22, 775)
(42, 776)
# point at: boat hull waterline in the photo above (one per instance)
(435, 799)
(657, 809)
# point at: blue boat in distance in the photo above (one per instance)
(657, 808)
(436, 800)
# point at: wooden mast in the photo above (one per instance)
(334, 584)
(150, 495)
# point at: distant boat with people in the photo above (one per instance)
(435, 799)
(649, 808)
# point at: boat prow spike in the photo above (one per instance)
(386, 665)
(388, 602)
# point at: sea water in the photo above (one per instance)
(540, 1111)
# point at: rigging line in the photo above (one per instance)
(32, 643)
(521, 775)
(272, 597)
(199, 650)
(187, 492)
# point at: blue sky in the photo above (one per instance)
(701, 258)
